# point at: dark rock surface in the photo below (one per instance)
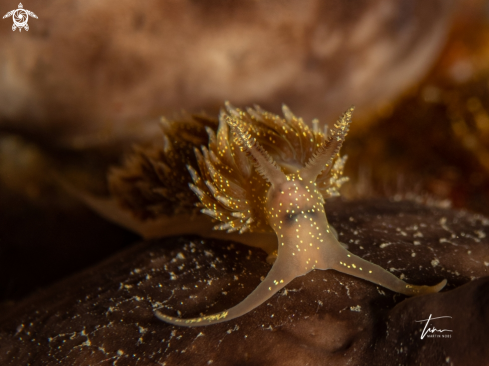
(468, 306)
(43, 240)
(104, 315)
(46, 233)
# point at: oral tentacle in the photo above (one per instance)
(278, 277)
(343, 261)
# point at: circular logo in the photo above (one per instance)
(20, 18)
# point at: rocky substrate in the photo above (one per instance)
(104, 315)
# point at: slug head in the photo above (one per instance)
(294, 202)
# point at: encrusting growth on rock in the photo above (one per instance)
(258, 173)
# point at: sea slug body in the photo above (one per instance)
(262, 173)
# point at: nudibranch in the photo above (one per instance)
(261, 173)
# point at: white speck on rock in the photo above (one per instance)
(480, 234)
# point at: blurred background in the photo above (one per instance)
(90, 79)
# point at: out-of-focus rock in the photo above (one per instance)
(436, 138)
(90, 72)
(46, 234)
(105, 314)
